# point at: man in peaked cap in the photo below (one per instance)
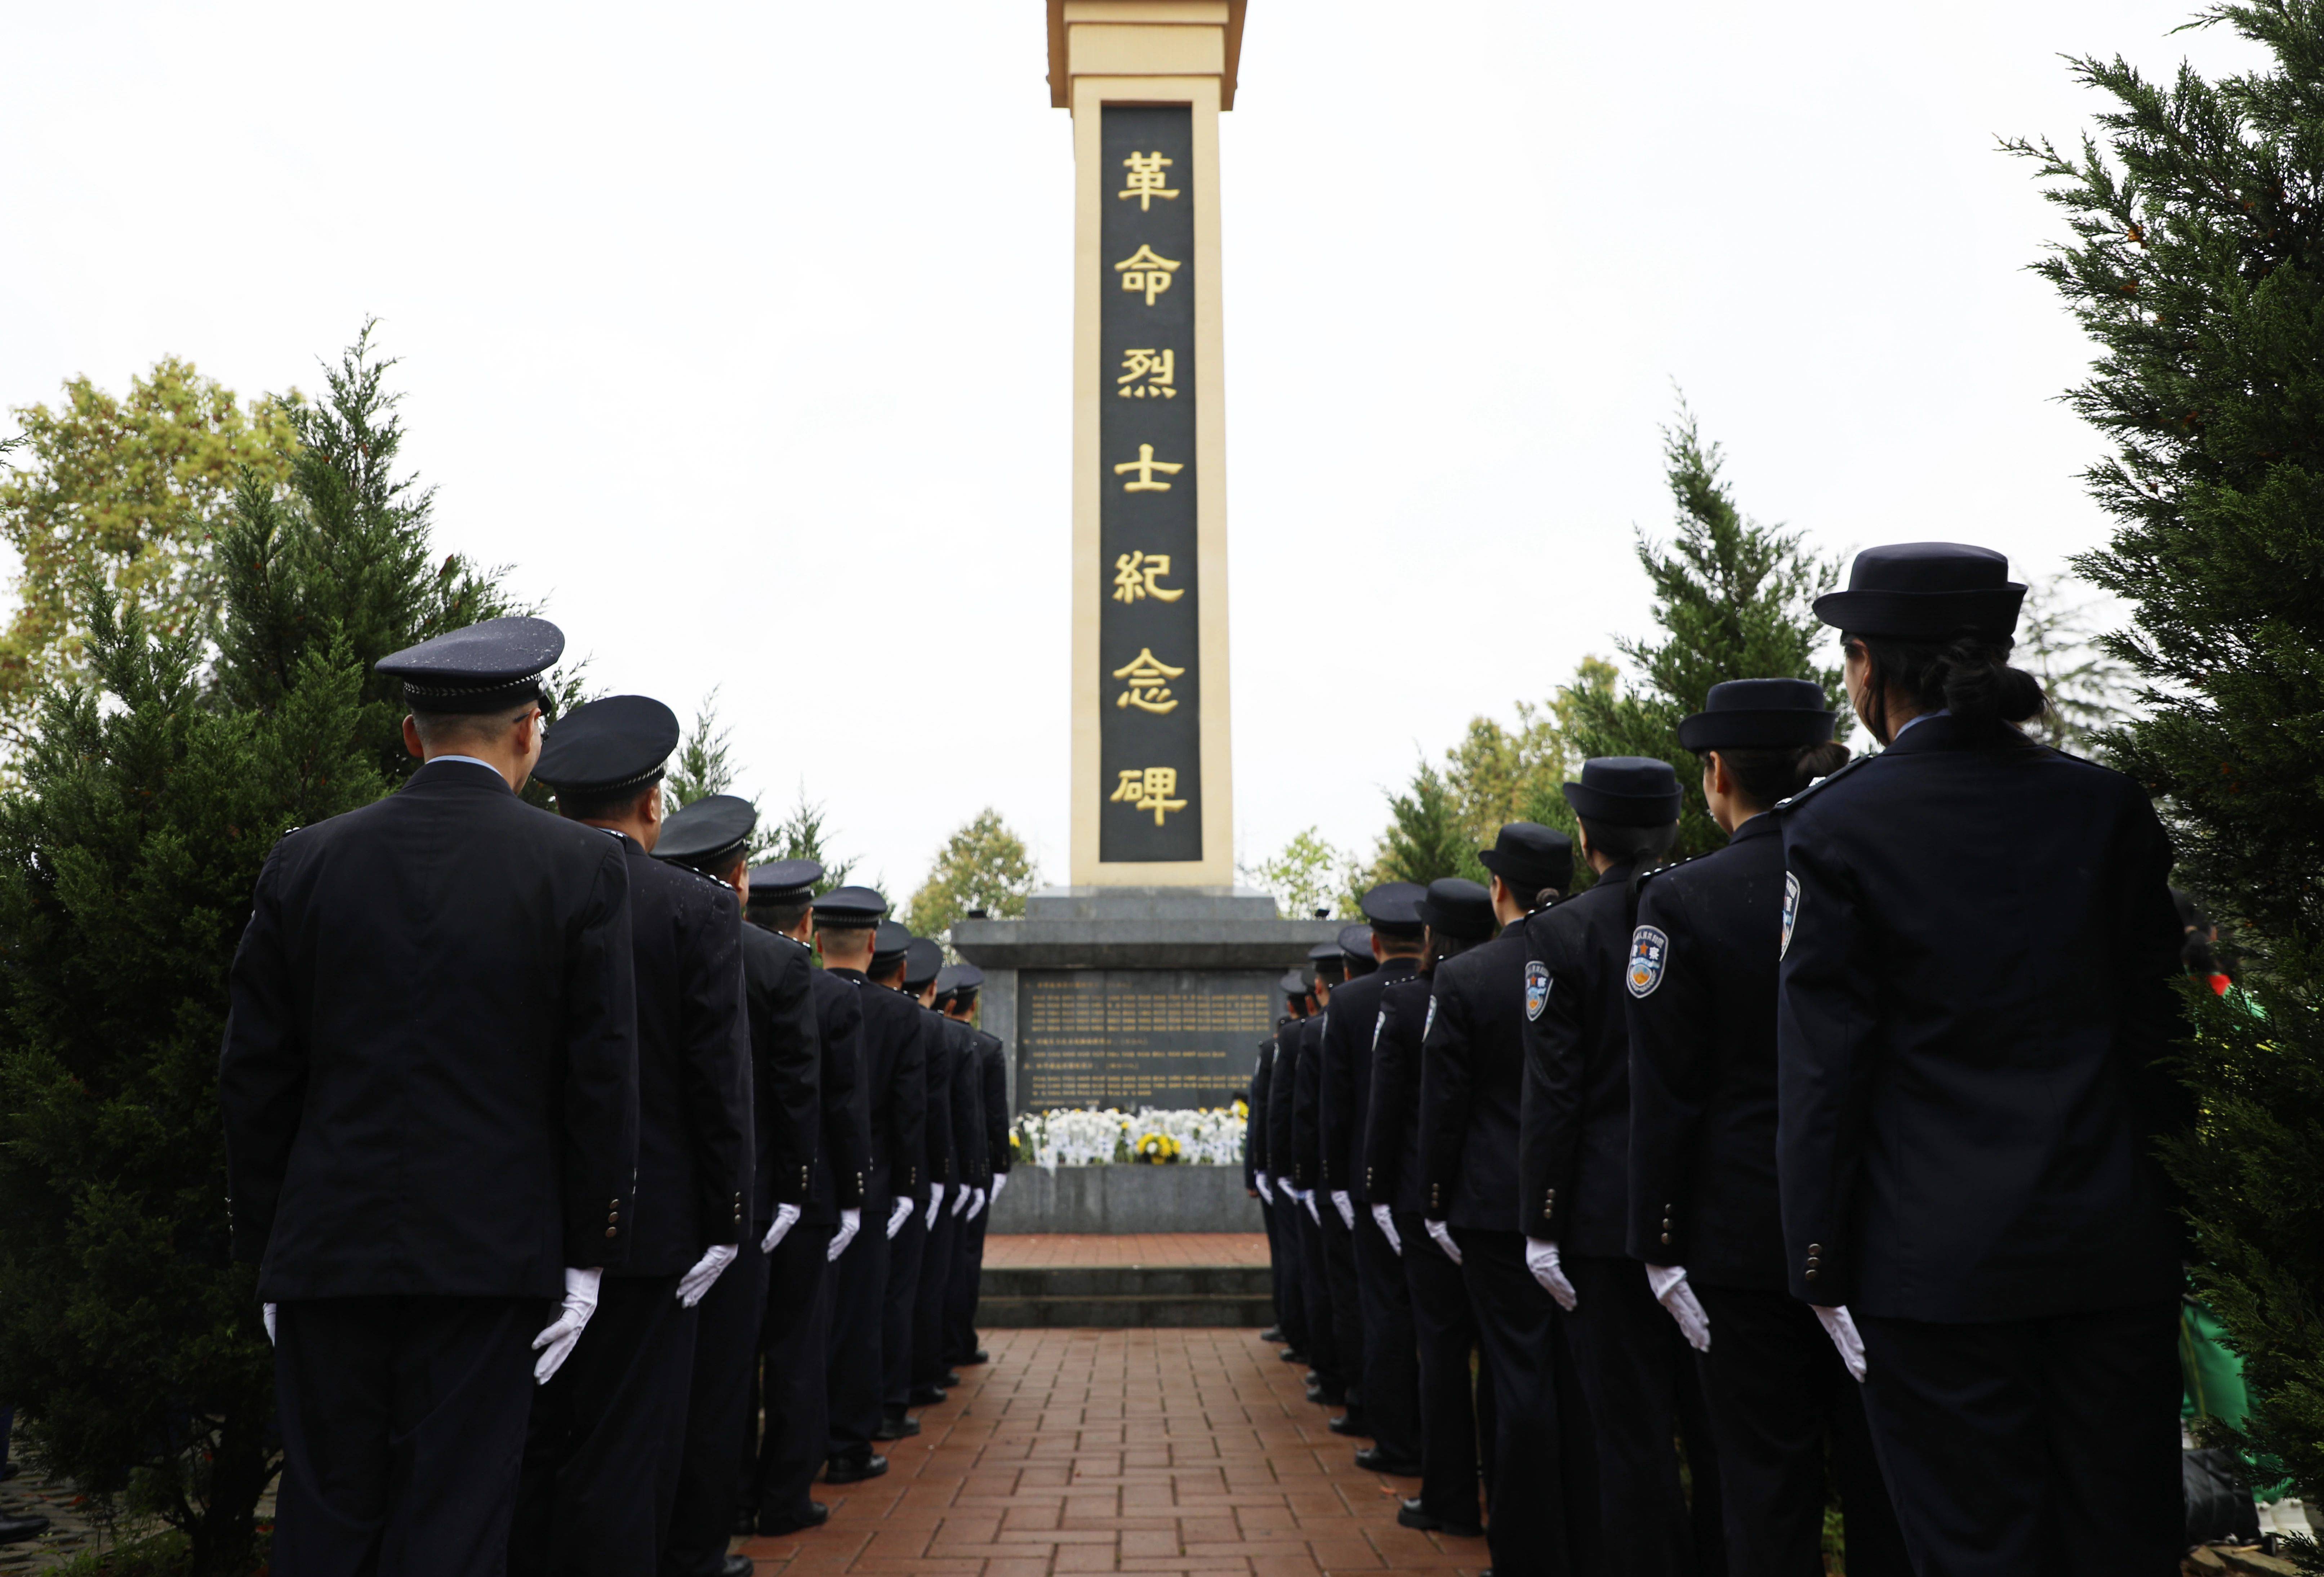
(1573, 1176)
(1388, 1376)
(601, 1454)
(963, 1095)
(712, 836)
(922, 1373)
(893, 964)
(1259, 1167)
(1703, 1210)
(431, 1028)
(796, 1337)
(991, 1154)
(856, 939)
(1327, 1251)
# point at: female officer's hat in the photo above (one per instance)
(1758, 714)
(1926, 591)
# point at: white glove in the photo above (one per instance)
(1443, 1236)
(976, 1203)
(960, 1198)
(580, 1302)
(1385, 1219)
(695, 1283)
(1307, 1198)
(999, 1179)
(786, 1218)
(1843, 1331)
(1345, 1206)
(266, 1312)
(936, 1203)
(1671, 1291)
(1266, 1188)
(1541, 1258)
(851, 1221)
(899, 1215)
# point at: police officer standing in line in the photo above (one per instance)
(1703, 1213)
(1573, 1174)
(1273, 1181)
(601, 1456)
(907, 1224)
(1978, 950)
(796, 1337)
(1442, 1328)
(1472, 1074)
(1283, 1160)
(948, 1094)
(431, 1024)
(1338, 1334)
(712, 836)
(991, 1073)
(1389, 1379)
(895, 1068)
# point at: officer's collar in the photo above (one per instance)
(1399, 967)
(1762, 826)
(857, 975)
(1942, 731)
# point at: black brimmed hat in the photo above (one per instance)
(1293, 984)
(1530, 856)
(785, 881)
(1626, 791)
(1759, 715)
(708, 834)
(923, 961)
(968, 979)
(1926, 591)
(1393, 908)
(1356, 942)
(1459, 908)
(608, 747)
(1325, 960)
(850, 908)
(480, 668)
(890, 940)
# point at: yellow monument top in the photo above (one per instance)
(1143, 38)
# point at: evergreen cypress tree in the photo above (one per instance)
(1734, 600)
(2197, 264)
(1424, 839)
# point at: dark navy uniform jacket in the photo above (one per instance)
(896, 1083)
(1471, 1085)
(787, 1067)
(967, 1106)
(1254, 1131)
(1701, 996)
(1344, 1095)
(1307, 1103)
(992, 1059)
(938, 1133)
(1282, 1069)
(696, 1169)
(842, 1163)
(429, 1073)
(1574, 1160)
(1977, 998)
(1392, 1171)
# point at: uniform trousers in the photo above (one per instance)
(795, 1338)
(403, 1422)
(1347, 1306)
(1778, 1394)
(1391, 1377)
(2045, 1445)
(858, 1306)
(1283, 1262)
(717, 1417)
(1527, 1535)
(1324, 1341)
(1628, 1354)
(1445, 1331)
(906, 1250)
(934, 1292)
(601, 1456)
(960, 1340)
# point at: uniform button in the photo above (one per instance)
(1812, 1274)
(1815, 1248)
(1665, 1240)
(612, 1232)
(613, 1220)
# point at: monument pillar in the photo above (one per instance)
(1151, 980)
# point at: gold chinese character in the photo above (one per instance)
(1146, 179)
(1139, 575)
(1148, 789)
(1159, 368)
(1145, 464)
(1148, 679)
(1145, 269)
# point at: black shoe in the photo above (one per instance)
(1328, 1396)
(854, 1470)
(746, 1526)
(1271, 1334)
(924, 1396)
(771, 1526)
(951, 1379)
(15, 1530)
(1292, 1355)
(974, 1358)
(895, 1426)
(738, 1566)
(1373, 1460)
(1349, 1425)
(1412, 1514)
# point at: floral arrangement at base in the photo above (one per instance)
(1071, 1137)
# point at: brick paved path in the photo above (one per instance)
(1188, 1451)
(1022, 1248)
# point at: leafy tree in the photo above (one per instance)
(1733, 599)
(1308, 873)
(704, 763)
(804, 834)
(135, 489)
(982, 865)
(2196, 263)
(1425, 840)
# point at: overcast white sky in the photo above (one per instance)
(743, 332)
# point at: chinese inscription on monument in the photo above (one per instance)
(1138, 1037)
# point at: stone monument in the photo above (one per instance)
(1150, 979)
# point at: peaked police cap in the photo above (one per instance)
(1626, 791)
(608, 746)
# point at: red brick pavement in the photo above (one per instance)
(1027, 1249)
(1179, 1451)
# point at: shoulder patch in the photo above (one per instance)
(1791, 911)
(1649, 951)
(1536, 982)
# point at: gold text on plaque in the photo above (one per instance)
(1145, 179)
(1145, 464)
(1149, 373)
(1140, 575)
(1145, 269)
(1147, 680)
(1148, 789)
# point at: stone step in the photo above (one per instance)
(1119, 1297)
